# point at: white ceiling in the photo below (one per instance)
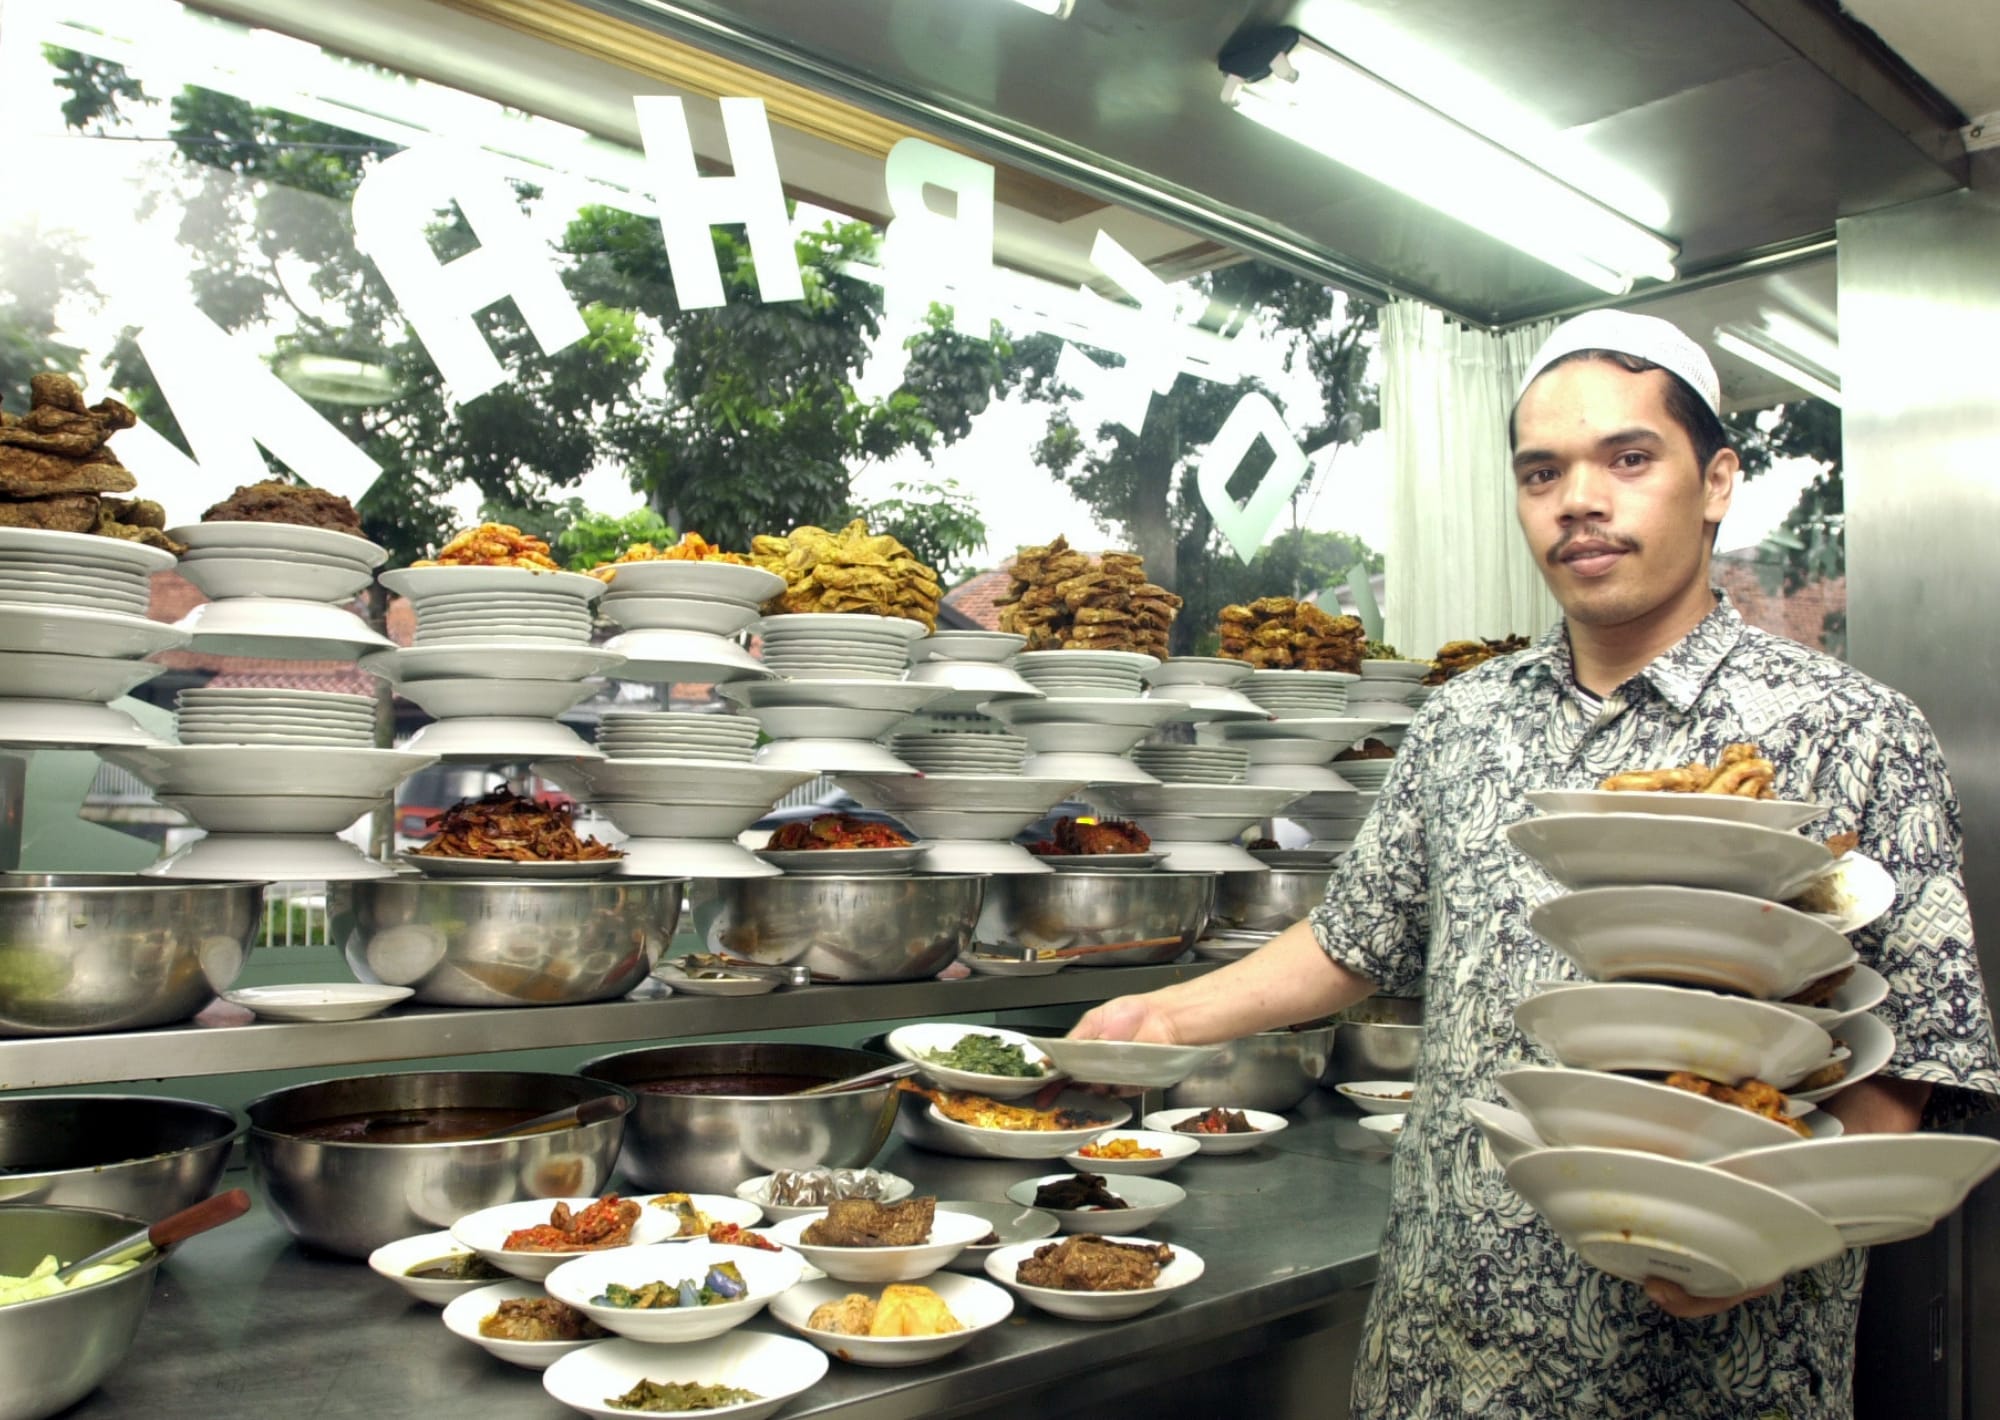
(1955, 44)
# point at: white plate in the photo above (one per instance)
(732, 581)
(331, 1001)
(1343, 731)
(946, 855)
(1394, 670)
(682, 658)
(674, 974)
(256, 537)
(1124, 1062)
(1584, 1108)
(967, 685)
(1782, 815)
(1377, 1096)
(1294, 754)
(1203, 828)
(485, 1232)
(1173, 1149)
(341, 739)
(668, 780)
(969, 1142)
(1077, 737)
(1008, 1222)
(1869, 1042)
(1230, 946)
(481, 696)
(32, 675)
(1875, 1188)
(1086, 768)
(260, 698)
(976, 1304)
(500, 631)
(270, 858)
(1100, 862)
(18, 569)
(1264, 1126)
(823, 862)
(950, 1232)
(1507, 1131)
(1865, 890)
(969, 646)
(516, 660)
(891, 1188)
(686, 820)
(711, 617)
(1624, 1026)
(1094, 1306)
(1691, 936)
(1132, 714)
(85, 548)
(273, 813)
(463, 1314)
(280, 628)
(871, 695)
(914, 1042)
(1863, 991)
(580, 1280)
(1637, 1216)
(224, 769)
(838, 756)
(81, 598)
(1237, 801)
(1131, 661)
(1198, 670)
(432, 866)
(981, 964)
(690, 858)
(274, 717)
(221, 577)
(69, 724)
(1148, 1200)
(76, 632)
(303, 559)
(826, 722)
(1389, 1126)
(775, 1368)
(498, 626)
(419, 583)
(1034, 795)
(393, 1260)
(500, 740)
(717, 1207)
(1204, 857)
(843, 626)
(1616, 850)
(1208, 705)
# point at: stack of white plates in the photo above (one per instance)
(831, 726)
(1085, 738)
(966, 821)
(62, 577)
(1210, 687)
(479, 606)
(256, 716)
(239, 559)
(956, 751)
(661, 735)
(1409, 672)
(838, 645)
(1368, 775)
(1085, 674)
(680, 813)
(709, 598)
(1300, 694)
(977, 647)
(1193, 764)
(475, 698)
(971, 666)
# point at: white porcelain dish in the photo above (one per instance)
(1009, 1223)
(969, 684)
(1205, 857)
(949, 1233)
(1863, 889)
(581, 1280)
(946, 855)
(221, 577)
(730, 581)
(306, 559)
(872, 695)
(1613, 850)
(318, 702)
(986, 964)
(1298, 753)
(1625, 1026)
(1147, 1201)
(280, 628)
(513, 660)
(1034, 795)
(1869, 1043)
(77, 632)
(1132, 661)
(774, 1368)
(675, 975)
(1875, 1188)
(638, 611)
(1395, 670)
(1207, 828)
(1781, 815)
(967, 1141)
(1587, 1108)
(1101, 862)
(835, 626)
(716, 1207)
(273, 813)
(1863, 991)
(1174, 1148)
(665, 780)
(990, 647)
(1376, 1096)
(1507, 1131)
(690, 858)
(915, 1042)
(271, 858)
(1263, 1127)
(478, 697)
(1197, 670)
(681, 658)
(394, 1260)
(1005, 1262)
(1079, 737)
(31, 675)
(267, 538)
(826, 722)
(1086, 768)
(1389, 1126)
(495, 869)
(1239, 801)
(69, 724)
(500, 739)
(463, 1314)
(976, 1304)
(485, 1232)
(890, 1188)
(845, 862)
(1132, 713)
(82, 597)
(421, 583)
(839, 756)
(328, 1001)
(86, 549)
(1123, 1062)
(1342, 731)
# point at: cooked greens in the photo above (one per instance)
(724, 1283)
(987, 1055)
(681, 1395)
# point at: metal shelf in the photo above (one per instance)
(224, 1040)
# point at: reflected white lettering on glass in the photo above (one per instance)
(1245, 525)
(690, 204)
(925, 251)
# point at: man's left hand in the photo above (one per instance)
(1676, 1300)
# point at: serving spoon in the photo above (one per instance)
(594, 1111)
(881, 1075)
(174, 1228)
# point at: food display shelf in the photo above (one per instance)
(246, 1324)
(226, 1040)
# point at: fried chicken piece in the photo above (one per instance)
(834, 831)
(1831, 1073)
(1689, 779)
(1754, 1095)
(1088, 1263)
(1841, 844)
(982, 1113)
(493, 545)
(30, 473)
(852, 1315)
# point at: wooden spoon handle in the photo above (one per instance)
(209, 1213)
(1117, 947)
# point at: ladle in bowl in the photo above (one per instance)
(174, 1228)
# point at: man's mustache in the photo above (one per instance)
(1590, 532)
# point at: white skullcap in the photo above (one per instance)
(1648, 337)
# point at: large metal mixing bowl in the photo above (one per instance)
(1270, 901)
(489, 942)
(122, 1153)
(81, 953)
(1052, 910)
(844, 928)
(1272, 1071)
(711, 1143)
(55, 1351)
(352, 1198)
(1378, 1040)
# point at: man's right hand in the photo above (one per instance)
(1128, 1018)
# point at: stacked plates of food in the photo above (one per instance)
(653, 734)
(1209, 686)
(1085, 738)
(681, 812)
(1193, 764)
(502, 834)
(73, 626)
(840, 845)
(975, 745)
(1194, 824)
(259, 716)
(831, 726)
(271, 811)
(1390, 688)
(977, 1126)
(1096, 845)
(989, 1060)
(972, 667)
(966, 821)
(679, 605)
(838, 645)
(1298, 694)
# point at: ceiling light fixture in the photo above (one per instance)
(1311, 95)
(1056, 9)
(1757, 347)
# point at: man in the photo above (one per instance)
(1621, 478)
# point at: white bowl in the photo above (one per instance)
(1585, 1108)
(463, 1314)
(84, 596)
(1087, 768)
(1238, 801)
(666, 779)
(835, 626)
(422, 583)
(1691, 936)
(1612, 850)
(393, 1260)
(1377, 1096)
(1875, 1188)
(227, 769)
(1079, 737)
(272, 858)
(1869, 1043)
(1507, 1131)
(970, 684)
(950, 1232)
(892, 1188)
(949, 792)
(837, 756)
(500, 739)
(968, 1141)
(775, 1368)
(69, 724)
(221, 577)
(948, 855)
(1205, 857)
(875, 695)
(731, 581)
(1264, 1126)
(1622, 1026)
(1198, 670)
(1863, 991)
(1129, 713)
(1298, 752)
(647, 612)
(975, 1303)
(912, 1042)
(1389, 1126)
(515, 660)
(280, 628)
(1782, 815)
(987, 647)
(83, 549)
(1301, 779)
(716, 1207)
(1173, 1149)
(1149, 1200)
(1124, 1062)
(691, 821)
(481, 696)
(1395, 670)
(33, 675)
(1094, 1306)
(1203, 828)
(691, 858)
(328, 1001)
(265, 539)
(485, 1232)
(1009, 1223)
(1637, 1216)
(69, 631)
(826, 722)
(578, 1281)
(681, 658)
(438, 865)
(1341, 731)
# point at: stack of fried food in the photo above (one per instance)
(1285, 634)
(56, 467)
(504, 825)
(1742, 771)
(274, 501)
(1064, 600)
(692, 547)
(848, 571)
(1458, 657)
(494, 545)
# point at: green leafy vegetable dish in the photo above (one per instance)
(724, 1283)
(987, 1055)
(681, 1395)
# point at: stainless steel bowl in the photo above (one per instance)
(55, 1351)
(1271, 901)
(122, 1153)
(488, 942)
(849, 929)
(711, 1143)
(1272, 1071)
(1378, 1040)
(81, 953)
(1053, 910)
(352, 1198)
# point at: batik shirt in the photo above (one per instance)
(1480, 1309)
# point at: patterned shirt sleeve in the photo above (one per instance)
(1376, 918)
(1923, 945)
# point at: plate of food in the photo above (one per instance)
(1097, 862)
(1216, 1130)
(1739, 787)
(1862, 1046)
(1684, 1117)
(683, 1292)
(1006, 1225)
(1838, 997)
(1388, 1126)
(1852, 894)
(1092, 1278)
(989, 1060)
(788, 1193)
(745, 1375)
(705, 974)
(694, 1214)
(1085, 1202)
(901, 1324)
(988, 963)
(978, 1126)
(1133, 1151)
(439, 865)
(859, 1240)
(433, 1268)
(502, 834)
(1583, 851)
(1377, 1096)
(1662, 1029)
(318, 1001)
(1124, 1062)
(1105, 845)
(531, 1239)
(521, 1325)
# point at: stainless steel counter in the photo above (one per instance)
(246, 1324)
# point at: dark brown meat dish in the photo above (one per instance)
(1079, 1190)
(1070, 837)
(862, 1222)
(1087, 1263)
(539, 1319)
(275, 502)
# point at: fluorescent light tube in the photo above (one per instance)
(1058, 8)
(1766, 354)
(1316, 98)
